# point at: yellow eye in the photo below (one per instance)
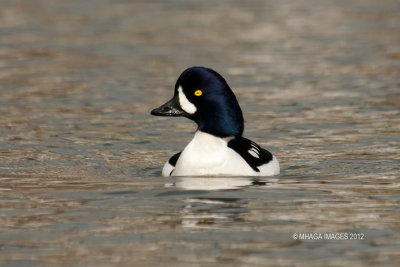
(198, 93)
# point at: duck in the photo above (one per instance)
(218, 147)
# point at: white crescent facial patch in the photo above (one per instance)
(186, 105)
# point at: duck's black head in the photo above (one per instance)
(201, 94)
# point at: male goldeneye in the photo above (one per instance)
(218, 148)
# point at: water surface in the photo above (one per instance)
(81, 158)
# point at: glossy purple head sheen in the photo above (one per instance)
(216, 109)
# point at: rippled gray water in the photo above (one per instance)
(81, 158)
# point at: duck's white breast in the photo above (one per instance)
(210, 155)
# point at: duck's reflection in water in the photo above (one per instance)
(215, 210)
(219, 183)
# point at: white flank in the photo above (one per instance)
(271, 168)
(209, 155)
(167, 169)
(186, 105)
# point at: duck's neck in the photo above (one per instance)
(221, 122)
(206, 138)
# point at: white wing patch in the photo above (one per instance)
(254, 151)
(186, 105)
